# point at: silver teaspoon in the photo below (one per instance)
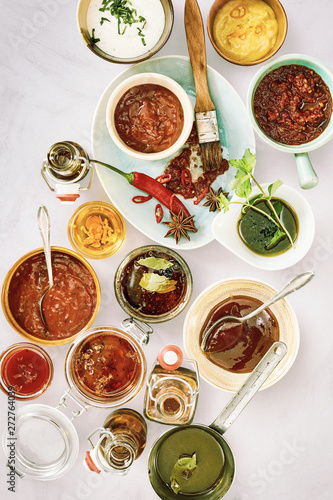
(44, 225)
(296, 283)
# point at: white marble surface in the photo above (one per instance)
(50, 85)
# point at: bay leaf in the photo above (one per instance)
(156, 283)
(155, 263)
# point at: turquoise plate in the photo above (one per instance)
(236, 134)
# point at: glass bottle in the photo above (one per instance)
(172, 390)
(66, 164)
(122, 440)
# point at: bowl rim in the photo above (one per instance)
(158, 79)
(235, 380)
(6, 309)
(271, 263)
(112, 249)
(270, 54)
(168, 26)
(285, 60)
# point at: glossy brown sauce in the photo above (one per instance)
(238, 347)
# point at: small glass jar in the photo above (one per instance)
(122, 440)
(105, 367)
(153, 284)
(172, 390)
(96, 230)
(26, 371)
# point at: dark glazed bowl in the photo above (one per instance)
(281, 19)
(82, 10)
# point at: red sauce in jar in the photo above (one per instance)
(67, 307)
(292, 104)
(106, 364)
(26, 370)
(149, 118)
(238, 347)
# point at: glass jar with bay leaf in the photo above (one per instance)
(153, 284)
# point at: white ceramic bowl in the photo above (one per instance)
(225, 231)
(208, 300)
(157, 79)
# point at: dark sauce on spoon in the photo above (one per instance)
(238, 347)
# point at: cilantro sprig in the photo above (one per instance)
(125, 14)
(242, 185)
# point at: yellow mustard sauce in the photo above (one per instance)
(245, 30)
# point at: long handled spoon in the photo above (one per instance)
(44, 225)
(296, 283)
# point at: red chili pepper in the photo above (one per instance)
(151, 187)
(201, 195)
(158, 213)
(141, 199)
(164, 178)
(186, 178)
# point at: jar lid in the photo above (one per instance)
(170, 357)
(46, 443)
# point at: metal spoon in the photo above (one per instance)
(296, 283)
(44, 225)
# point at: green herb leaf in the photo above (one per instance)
(278, 207)
(175, 486)
(155, 263)
(125, 15)
(276, 238)
(93, 39)
(190, 461)
(241, 185)
(273, 187)
(247, 163)
(155, 283)
(223, 202)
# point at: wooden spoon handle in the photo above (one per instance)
(195, 35)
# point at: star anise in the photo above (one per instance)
(212, 198)
(180, 226)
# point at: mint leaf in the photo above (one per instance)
(273, 187)
(224, 203)
(278, 235)
(247, 163)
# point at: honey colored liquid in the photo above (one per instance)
(128, 422)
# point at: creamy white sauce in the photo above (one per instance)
(129, 44)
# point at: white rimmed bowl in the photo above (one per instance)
(208, 300)
(225, 231)
(306, 174)
(155, 79)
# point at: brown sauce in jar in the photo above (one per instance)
(292, 104)
(238, 348)
(149, 118)
(153, 302)
(107, 364)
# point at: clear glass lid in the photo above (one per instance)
(45, 444)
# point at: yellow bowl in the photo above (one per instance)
(99, 239)
(281, 17)
(10, 316)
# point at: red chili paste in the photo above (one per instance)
(67, 307)
(181, 167)
(292, 104)
(149, 118)
(26, 370)
(107, 363)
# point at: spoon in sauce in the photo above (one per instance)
(232, 324)
(44, 225)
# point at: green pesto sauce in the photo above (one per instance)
(209, 455)
(257, 231)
